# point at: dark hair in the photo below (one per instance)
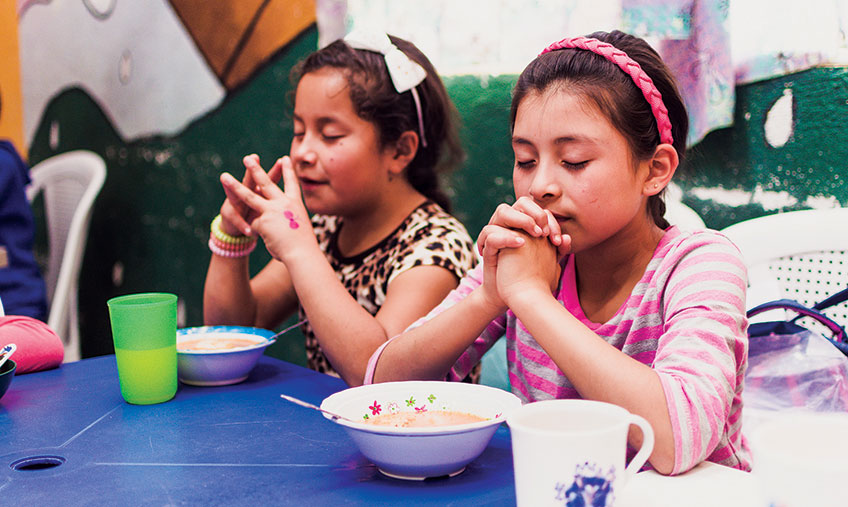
(375, 100)
(615, 94)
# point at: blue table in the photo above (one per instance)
(233, 445)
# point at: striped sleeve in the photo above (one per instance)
(702, 353)
(484, 342)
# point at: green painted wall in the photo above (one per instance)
(813, 163)
(150, 223)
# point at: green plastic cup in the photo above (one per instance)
(144, 330)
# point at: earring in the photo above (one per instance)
(656, 185)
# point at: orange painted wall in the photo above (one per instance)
(11, 105)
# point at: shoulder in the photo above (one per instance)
(702, 245)
(432, 237)
(324, 226)
(429, 222)
(701, 262)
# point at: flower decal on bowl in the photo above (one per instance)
(408, 402)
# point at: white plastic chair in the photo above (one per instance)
(799, 255)
(680, 214)
(70, 182)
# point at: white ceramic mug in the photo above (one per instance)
(565, 451)
(800, 459)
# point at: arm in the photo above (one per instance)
(348, 333)
(689, 392)
(429, 350)
(467, 314)
(599, 371)
(229, 295)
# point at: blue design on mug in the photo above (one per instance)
(591, 487)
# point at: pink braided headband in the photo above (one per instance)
(631, 68)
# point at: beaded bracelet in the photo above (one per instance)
(225, 245)
(223, 237)
(232, 252)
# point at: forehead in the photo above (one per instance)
(323, 91)
(556, 112)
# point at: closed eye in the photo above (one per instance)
(525, 164)
(575, 165)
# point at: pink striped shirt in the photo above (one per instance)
(685, 318)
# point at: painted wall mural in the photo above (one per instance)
(152, 66)
(172, 93)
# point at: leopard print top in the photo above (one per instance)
(429, 236)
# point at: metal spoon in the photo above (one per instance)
(286, 330)
(7, 352)
(306, 404)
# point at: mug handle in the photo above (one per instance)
(644, 451)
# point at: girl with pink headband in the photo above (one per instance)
(361, 238)
(597, 295)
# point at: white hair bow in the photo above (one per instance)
(404, 72)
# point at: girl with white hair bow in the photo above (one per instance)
(360, 235)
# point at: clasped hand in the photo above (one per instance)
(521, 246)
(256, 205)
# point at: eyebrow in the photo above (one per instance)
(558, 141)
(321, 121)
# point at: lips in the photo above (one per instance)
(310, 184)
(561, 218)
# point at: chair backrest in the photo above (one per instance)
(799, 255)
(680, 214)
(69, 182)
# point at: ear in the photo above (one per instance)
(404, 150)
(661, 168)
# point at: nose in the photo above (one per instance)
(302, 151)
(544, 186)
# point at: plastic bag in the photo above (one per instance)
(794, 368)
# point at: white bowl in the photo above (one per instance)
(209, 364)
(421, 452)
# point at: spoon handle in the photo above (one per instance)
(286, 330)
(7, 352)
(306, 404)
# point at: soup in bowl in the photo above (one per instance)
(421, 429)
(219, 355)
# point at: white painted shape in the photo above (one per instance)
(779, 120)
(771, 200)
(770, 27)
(480, 36)
(768, 199)
(168, 83)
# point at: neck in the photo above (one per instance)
(608, 272)
(364, 230)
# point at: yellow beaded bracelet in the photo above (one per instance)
(223, 237)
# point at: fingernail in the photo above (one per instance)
(537, 230)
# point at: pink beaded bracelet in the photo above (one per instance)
(226, 245)
(230, 250)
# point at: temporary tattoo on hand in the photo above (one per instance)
(292, 221)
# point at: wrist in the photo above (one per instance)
(486, 305)
(226, 245)
(525, 294)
